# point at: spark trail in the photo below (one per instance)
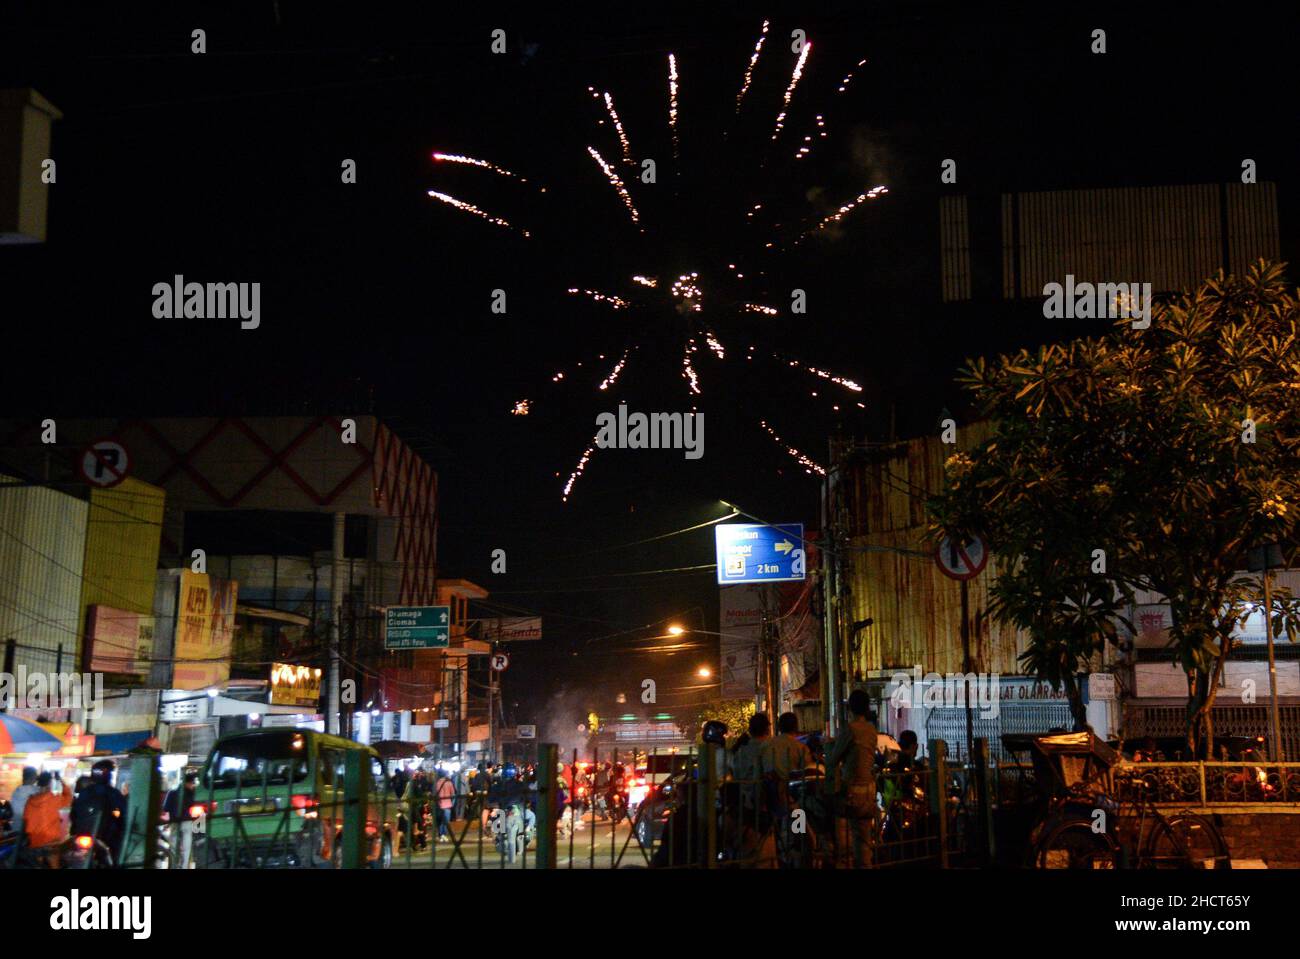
(789, 91)
(749, 70)
(475, 211)
(672, 101)
(616, 182)
(808, 464)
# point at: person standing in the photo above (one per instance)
(479, 787)
(750, 817)
(398, 781)
(460, 784)
(26, 791)
(178, 807)
(781, 758)
(854, 750)
(445, 795)
(41, 815)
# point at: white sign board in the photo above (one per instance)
(499, 662)
(741, 611)
(527, 732)
(1101, 686)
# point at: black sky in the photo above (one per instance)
(226, 167)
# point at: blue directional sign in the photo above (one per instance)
(756, 553)
(417, 627)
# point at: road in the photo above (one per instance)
(597, 846)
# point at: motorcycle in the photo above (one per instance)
(614, 804)
(85, 852)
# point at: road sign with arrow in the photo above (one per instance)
(758, 553)
(417, 627)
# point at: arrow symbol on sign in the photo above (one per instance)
(443, 617)
(784, 546)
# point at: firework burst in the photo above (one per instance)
(655, 294)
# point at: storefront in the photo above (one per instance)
(933, 706)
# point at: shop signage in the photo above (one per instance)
(294, 685)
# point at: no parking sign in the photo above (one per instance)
(961, 560)
(104, 463)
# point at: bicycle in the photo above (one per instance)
(1184, 840)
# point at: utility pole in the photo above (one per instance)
(834, 688)
(336, 606)
(1263, 558)
(966, 668)
(1277, 754)
(492, 695)
(765, 657)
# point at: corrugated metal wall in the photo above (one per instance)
(916, 608)
(42, 547)
(122, 539)
(1172, 237)
(954, 248)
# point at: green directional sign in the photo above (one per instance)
(417, 627)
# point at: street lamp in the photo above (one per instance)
(704, 672)
(675, 630)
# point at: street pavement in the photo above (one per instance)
(597, 846)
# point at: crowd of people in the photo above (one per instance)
(44, 812)
(779, 786)
(771, 784)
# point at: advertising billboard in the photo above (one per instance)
(205, 625)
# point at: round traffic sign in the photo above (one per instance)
(500, 661)
(961, 560)
(104, 463)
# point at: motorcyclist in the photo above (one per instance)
(100, 809)
(686, 839)
(616, 794)
(581, 791)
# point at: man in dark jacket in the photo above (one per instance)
(179, 808)
(101, 805)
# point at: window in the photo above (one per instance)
(273, 759)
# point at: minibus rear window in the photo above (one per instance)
(274, 759)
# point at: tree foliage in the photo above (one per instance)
(734, 712)
(1143, 459)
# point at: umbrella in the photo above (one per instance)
(20, 736)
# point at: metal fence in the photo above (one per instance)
(675, 811)
(1252, 721)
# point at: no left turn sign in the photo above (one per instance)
(961, 560)
(500, 661)
(104, 463)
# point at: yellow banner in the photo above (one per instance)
(205, 626)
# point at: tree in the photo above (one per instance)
(1144, 459)
(734, 712)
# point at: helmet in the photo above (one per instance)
(102, 771)
(509, 771)
(715, 731)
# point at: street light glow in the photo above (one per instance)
(704, 672)
(675, 630)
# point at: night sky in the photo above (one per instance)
(375, 298)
